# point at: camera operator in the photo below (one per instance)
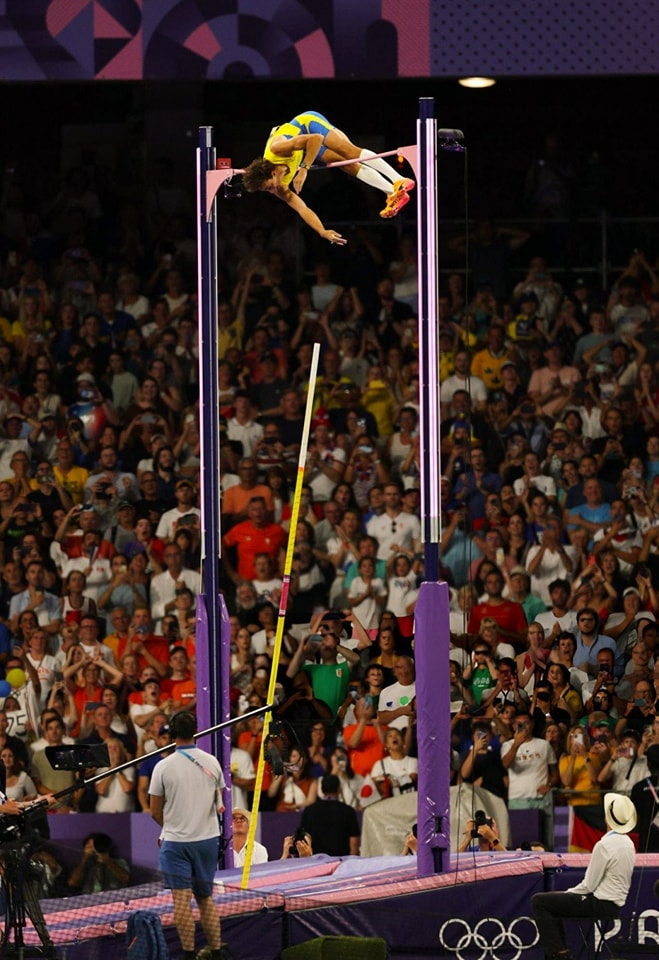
(484, 830)
(15, 808)
(7, 807)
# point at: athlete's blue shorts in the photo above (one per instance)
(187, 866)
(311, 121)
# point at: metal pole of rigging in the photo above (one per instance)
(431, 632)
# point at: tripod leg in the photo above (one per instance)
(14, 919)
(35, 913)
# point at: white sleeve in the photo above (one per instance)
(158, 599)
(162, 531)
(245, 766)
(356, 587)
(155, 784)
(594, 873)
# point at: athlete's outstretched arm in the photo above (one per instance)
(310, 218)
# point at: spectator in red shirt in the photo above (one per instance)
(179, 687)
(509, 615)
(151, 650)
(251, 537)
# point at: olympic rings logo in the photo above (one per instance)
(488, 936)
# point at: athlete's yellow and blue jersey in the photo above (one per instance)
(309, 122)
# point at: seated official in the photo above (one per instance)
(604, 889)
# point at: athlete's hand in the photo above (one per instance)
(334, 237)
(299, 179)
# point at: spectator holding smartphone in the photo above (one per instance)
(625, 767)
(481, 765)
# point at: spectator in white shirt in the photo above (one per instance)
(166, 585)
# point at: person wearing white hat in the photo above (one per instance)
(602, 892)
(240, 821)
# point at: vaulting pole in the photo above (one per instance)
(283, 603)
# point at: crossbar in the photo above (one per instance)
(373, 156)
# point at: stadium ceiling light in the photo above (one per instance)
(477, 83)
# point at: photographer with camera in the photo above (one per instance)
(297, 845)
(482, 829)
(49, 495)
(98, 870)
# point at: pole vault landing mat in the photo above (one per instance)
(480, 909)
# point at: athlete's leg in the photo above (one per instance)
(363, 172)
(337, 143)
(210, 921)
(183, 919)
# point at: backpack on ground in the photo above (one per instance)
(145, 939)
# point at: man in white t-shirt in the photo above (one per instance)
(621, 536)
(559, 617)
(241, 426)
(166, 586)
(532, 772)
(397, 702)
(243, 777)
(532, 477)
(550, 559)
(185, 496)
(394, 530)
(462, 379)
(185, 797)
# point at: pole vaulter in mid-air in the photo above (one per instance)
(309, 138)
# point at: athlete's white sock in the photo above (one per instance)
(374, 179)
(379, 164)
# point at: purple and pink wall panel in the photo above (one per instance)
(287, 39)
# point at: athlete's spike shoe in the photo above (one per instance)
(405, 184)
(395, 203)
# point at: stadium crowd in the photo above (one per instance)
(550, 498)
